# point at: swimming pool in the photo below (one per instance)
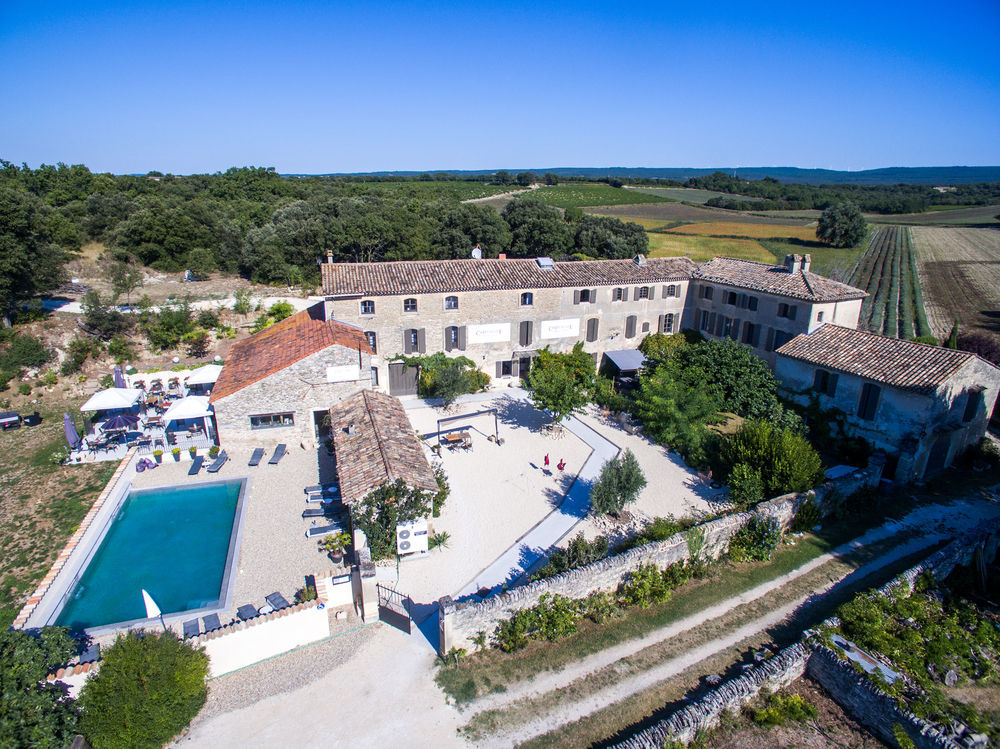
(178, 543)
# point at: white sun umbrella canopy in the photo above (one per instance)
(105, 400)
(190, 407)
(206, 375)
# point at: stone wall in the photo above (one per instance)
(774, 674)
(300, 389)
(460, 621)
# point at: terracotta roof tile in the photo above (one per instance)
(380, 447)
(436, 276)
(281, 345)
(902, 364)
(776, 279)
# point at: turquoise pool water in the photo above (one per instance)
(172, 541)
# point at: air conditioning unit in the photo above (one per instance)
(411, 538)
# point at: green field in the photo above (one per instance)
(579, 196)
(701, 248)
(687, 194)
(430, 190)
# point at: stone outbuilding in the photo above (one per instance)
(923, 405)
(278, 384)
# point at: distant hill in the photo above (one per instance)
(912, 175)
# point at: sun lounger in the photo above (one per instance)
(330, 498)
(330, 486)
(279, 453)
(91, 653)
(246, 611)
(327, 511)
(218, 462)
(196, 465)
(277, 601)
(191, 628)
(211, 622)
(322, 530)
(258, 453)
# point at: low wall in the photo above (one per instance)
(775, 673)
(461, 621)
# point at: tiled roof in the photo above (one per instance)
(902, 364)
(776, 279)
(281, 345)
(380, 446)
(436, 276)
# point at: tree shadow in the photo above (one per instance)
(520, 414)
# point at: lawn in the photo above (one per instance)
(748, 231)
(578, 196)
(689, 194)
(701, 248)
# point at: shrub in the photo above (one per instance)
(658, 529)
(167, 328)
(600, 606)
(305, 593)
(208, 319)
(552, 618)
(756, 540)
(24, 352)
(197, 343)
(447, 377)
(383, 509)
(808, 516)
(619, 484)
(785, 459)
(644, 587)
(779, 709)
(745, 486)
(438, 538)
(241, 301)
(24, 388)
(578, 552)
(49, 379)
(281, 310)
(606, 396)
(102, 317)
(442, 493)
(213, 451)
(147, 691)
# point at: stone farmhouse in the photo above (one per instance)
(278, 384)
(922, 404)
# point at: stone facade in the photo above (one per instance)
(300, 389)
(923, 432)
(488, 326)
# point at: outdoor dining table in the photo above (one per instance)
(455, 439)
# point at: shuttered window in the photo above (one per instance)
(372, 340)
(868, 404)
(630, 326)
(525, 333)
(974, 400)
(825, 382)
(592, 325)
(450, 338)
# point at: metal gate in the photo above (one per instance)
(402, 379)
(393, 608)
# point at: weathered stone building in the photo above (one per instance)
(278, 383)
(500, 312)
(922, 404)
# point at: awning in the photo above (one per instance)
(204, 375)
(112, 398)
(627, 360)
(191, 407)
(9, 417)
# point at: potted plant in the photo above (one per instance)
(177, 454)
(213, 451)
(334, 544)
(193, 451)
(158, 455)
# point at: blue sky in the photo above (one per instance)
(330, 86)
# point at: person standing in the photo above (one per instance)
(561, 465)
(546, 460)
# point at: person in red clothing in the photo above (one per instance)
(561, 465)
(546, 460)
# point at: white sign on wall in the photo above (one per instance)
(561, 328)
(343, 373)
(494, 333)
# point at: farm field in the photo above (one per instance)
(688, 194)
(751, 231)
(959, 269)
(673, 211)
(888, 272)
(429, 189)
(979, 215)
(578, 196)
(701, 248)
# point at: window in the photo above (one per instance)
(780, 339)
(584, 295)
(705, 323)
(372, 340)
(868, 404)
(819, 317)
(973, 402)
(410, 305)
(450, 302)
(706, 292)
(269, 421)
(825, 382)
(721, 325)
(668, 323)
(367, 306)
(630, 326)
(645, 327)
(506, 368)
(753, 304)
(527, 299)
(450, 338)
(751, 334)
(731, 298)
(414, 341)
(617, 295)
(669, 291)
(642, 292)
(374, 377)
(525, 333)
(787, 310)
(592, 325)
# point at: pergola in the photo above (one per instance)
(460, 417)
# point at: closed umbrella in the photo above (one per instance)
(121, 421)
(119, 377)
(72, 437)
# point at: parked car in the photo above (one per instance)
(10, 420)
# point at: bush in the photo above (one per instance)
(745, 486)
(120, 349)
(645, 586)
(208, 319)
(24, 388)
(756, 540)
(779, 709)
(808, 516)
(552, 618)
(444, 377)
(102, 317)
(606, 396)
(147, 691)
(785, 459)
(305, 593)
(167, 328)
(619, 484)
(24, 352)
(659, 529)
(442, 493)
(383, 509)
(578, 552)
(281, 310)
(197, 343)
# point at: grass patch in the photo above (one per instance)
(579, 196)
(832, 262)
(749, 231)
(700, 248)
(689, 194)
(483, 672)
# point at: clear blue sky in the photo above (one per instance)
(330, 86)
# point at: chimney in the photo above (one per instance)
(639, 259)
(329, 257)
(806, 262)
(793, 263)
(502, 256)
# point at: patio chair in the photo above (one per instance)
(277, 601)
(322, 530)
(324, 498)
(211, 622)
(279, 453)
(191, 628)
(323, 512)
(255, 458)
(246, 611)
(196, 465)
(218, 462)
(330, 486)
